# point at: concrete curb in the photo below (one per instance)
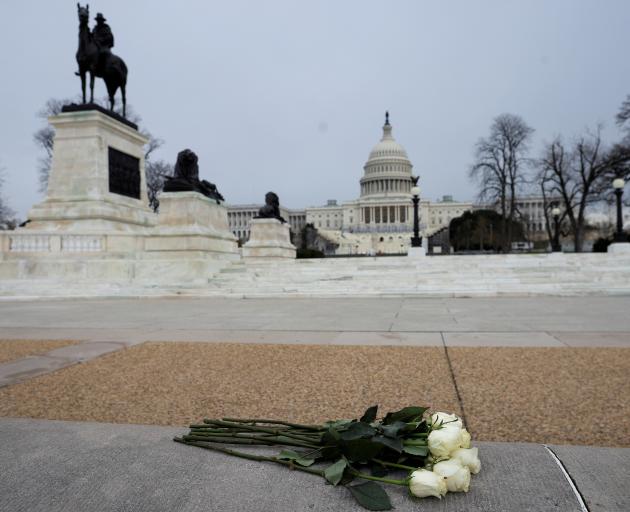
(59, 466)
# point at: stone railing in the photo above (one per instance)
(44, 243)
(81, 243)
(29, 243)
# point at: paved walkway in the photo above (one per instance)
(54, 466)
(108, 325)
(548, 320)
(57, 466)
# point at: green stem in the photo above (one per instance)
(225, 440)
(262, 458)
(376, 478)
(394, 465)
(275, 422)
(415, 442)
(310, 437)
(227, 433)
(236, 439)
(218, 429)
(222, 423)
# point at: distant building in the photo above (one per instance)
(531, 213)
(380, 220)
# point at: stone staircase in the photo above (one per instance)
(459, 276)
(431, 276)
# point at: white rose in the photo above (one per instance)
(465, 439)
(457, 476)
(449, 420)
(444, 440)
(469, 457)
(423, 483)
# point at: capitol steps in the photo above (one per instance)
(487, 275)
(431, 276)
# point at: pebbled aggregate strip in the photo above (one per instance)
(546, 395)
(180, 383)
(11, 350)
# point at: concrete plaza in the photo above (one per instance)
(61, 465)
(514, 321)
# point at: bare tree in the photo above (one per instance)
(623, 116)
(156, 172)
(619, 167)
(500, 168)
(551, 199)
(44, 138)
(7, 220)
(578, 175)
(623, 171)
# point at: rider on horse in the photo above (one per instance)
(104, 39)
(95, 58)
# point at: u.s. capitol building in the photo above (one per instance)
(380, 220)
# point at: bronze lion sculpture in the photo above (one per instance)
(186, 177)
(271, 210)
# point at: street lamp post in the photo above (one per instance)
(618, 185)
(416, 239)
(555, 245)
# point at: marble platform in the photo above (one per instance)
(269, 239)
(517, 275)
(619, 248)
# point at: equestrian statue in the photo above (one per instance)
(95, 57)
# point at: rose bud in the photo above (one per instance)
(465, 439)
(446, 419)
(469, 457)
(457, 476)
(423, 483)
(445, 440)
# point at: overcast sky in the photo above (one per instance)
(290, 95)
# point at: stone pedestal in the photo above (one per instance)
(269, 239)
(619, 248)
(190, 221)
(416, 252)
(95, 226)
(97, 182)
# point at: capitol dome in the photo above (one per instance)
(388, 169)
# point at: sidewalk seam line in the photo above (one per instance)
(454, 380)
(569, 478)
(557, 339)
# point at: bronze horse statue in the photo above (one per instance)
(99, 62)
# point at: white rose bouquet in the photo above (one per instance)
(434, 451)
